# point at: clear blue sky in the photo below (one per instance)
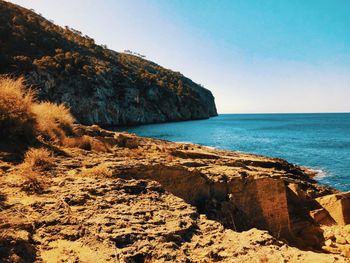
(255, 56)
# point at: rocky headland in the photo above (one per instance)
(100, 85)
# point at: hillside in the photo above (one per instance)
(100, 86)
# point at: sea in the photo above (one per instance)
(320, 141)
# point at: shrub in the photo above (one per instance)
(35, 162)
(38, 159)
(22, 117)
(53, 120)
(16, 117)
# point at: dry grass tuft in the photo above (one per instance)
(38, 159)
(53, 120)
(100, 170)
(17, 120)
(23, 118)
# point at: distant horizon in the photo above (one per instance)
(254, 56)
(247, 113)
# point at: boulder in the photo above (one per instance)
(338, 206)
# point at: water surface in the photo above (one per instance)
(320, 141)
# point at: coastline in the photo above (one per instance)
(314, 173)
(318, 141)
(225, 195)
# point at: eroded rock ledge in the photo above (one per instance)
(166, 202)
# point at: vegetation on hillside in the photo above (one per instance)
(35, 43)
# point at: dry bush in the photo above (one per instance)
(16, 117)
(53, 120)
(21, 117)
(38, 159)
(100, 170)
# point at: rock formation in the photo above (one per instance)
(133, 199)
(100, 86)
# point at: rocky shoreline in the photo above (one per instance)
(134, 199)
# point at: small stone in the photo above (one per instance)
(340, 240)
(347, 228)
(329, 235)
(348, 239)
(328, 243)
(345, 254)
(344, 248)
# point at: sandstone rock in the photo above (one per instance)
(297, 190)
(334, 250)
(338, 206)
(346, 254)
(347, 228)
(155, 208)
(329, 235)
(344, 248)
(265, 193)
(340, 239)
(328, 243)
(348, 238)
(321, 216)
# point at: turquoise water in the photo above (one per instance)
(320, 141)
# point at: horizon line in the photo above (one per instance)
(247, 113)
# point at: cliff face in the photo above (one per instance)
(100, 85)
